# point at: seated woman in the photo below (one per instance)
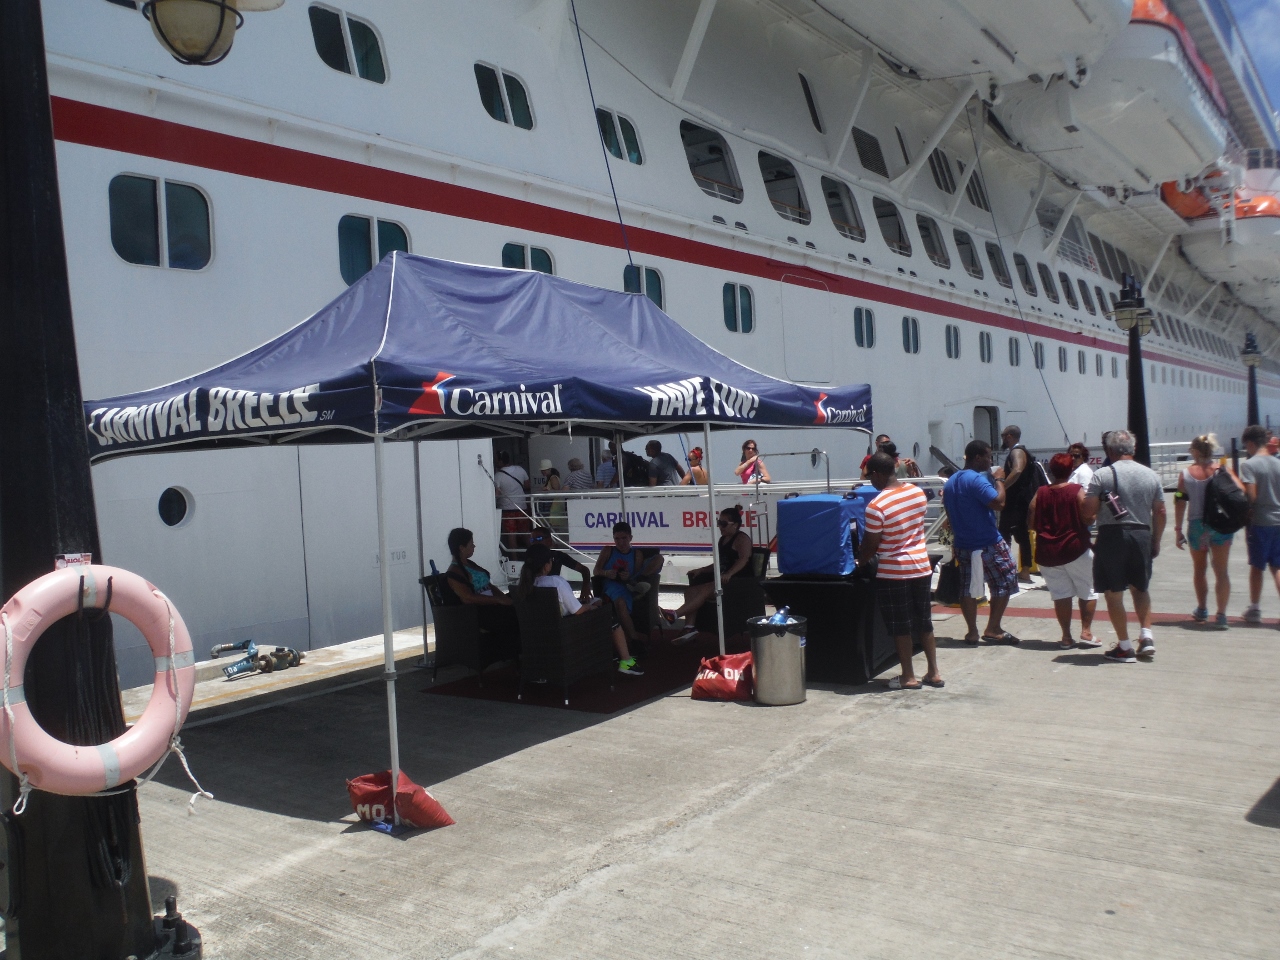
(537, 573)
(621, 566)
(734, 548)
(472, 585)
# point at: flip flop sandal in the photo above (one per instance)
(1005, 638)
(896, 684)
(687, 637)
(936, 684)
(1066, 644)
(669, 616)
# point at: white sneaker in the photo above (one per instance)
(1252, 613)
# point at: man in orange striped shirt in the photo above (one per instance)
(894, 535)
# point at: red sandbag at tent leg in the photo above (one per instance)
(726, 677)
(371, 800)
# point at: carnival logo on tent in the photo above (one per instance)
(438, 401)
(688, 398)
(829, 414)
(434, 397)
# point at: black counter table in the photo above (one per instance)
(846, 640)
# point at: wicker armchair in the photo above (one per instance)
(743, 599)
(558, 649)
(462, 633)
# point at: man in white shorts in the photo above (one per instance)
(1062, 549)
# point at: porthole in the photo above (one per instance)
(864, 327)
(174, 507)
(151, 217)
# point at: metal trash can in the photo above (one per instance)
(777, 653)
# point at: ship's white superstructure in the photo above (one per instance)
(879, 194)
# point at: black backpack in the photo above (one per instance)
(1226, 508)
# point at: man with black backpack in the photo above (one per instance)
(1261, 476)
(1023, 477)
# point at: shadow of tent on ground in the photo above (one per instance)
(1266, 812)
(294, 758)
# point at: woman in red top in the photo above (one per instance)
(1063, 550)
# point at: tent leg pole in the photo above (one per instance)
(388, 643)
(422, 562)
(622, 482)
(715, 531)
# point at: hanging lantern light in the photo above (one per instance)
(200, 32)
(1131, 311)
(1251, 355)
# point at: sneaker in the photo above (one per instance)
(1252, 613)
(630, 668)
(1091, 642)
(1200, 614)
(1146, 648)
(1220, 621)
(1119, 654)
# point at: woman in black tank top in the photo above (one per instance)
(734, 547)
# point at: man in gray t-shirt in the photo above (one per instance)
(1127, 500)
(664, 471)
(1261, 477)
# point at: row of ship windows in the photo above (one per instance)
(158, 222)
(352, 46)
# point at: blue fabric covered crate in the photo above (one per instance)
(816, 534)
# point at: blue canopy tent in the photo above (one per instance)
(421, 348)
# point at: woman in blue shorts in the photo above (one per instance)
(1206, 544)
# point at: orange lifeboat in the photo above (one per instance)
(1259, 206)
(1189, 206)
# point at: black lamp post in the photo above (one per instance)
(1133, 316)
(73, 866)
(1252, 357)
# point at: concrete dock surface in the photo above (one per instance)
(1043, 804)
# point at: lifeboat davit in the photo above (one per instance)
(1009, 41)
(1247, 255)
(1151, 111)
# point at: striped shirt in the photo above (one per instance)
(897, 515)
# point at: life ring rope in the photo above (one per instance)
(24, 784)
(169, 664)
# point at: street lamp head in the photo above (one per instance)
(1131, 310)
(199, 32)
(1251, 355)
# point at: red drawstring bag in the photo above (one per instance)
(371, 800)
(727, 677)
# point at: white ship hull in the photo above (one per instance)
(280, 544)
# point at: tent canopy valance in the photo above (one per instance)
(421, 348)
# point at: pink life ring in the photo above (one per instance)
(62, 768)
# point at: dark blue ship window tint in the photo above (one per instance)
(135, 225)
(326, 31)
(187, 224)
(491, 92)
(367, 50)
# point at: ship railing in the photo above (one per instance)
(1168, 460)
(1076, 253)
(794, 214)
(714, 188)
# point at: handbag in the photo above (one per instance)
(726, 677)
(948, 591)
(371, 800)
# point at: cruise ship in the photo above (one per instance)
(940, 198)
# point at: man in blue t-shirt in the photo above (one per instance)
(971, 497)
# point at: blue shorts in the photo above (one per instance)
(1264, 547)
(1200, 536)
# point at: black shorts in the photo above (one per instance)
(1122, 559)
(905, 606)
(1013, 520)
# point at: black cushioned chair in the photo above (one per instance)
(460, 635)
(558, 649)
(743, 599)
(645, 613)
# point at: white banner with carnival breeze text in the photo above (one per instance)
(670, 521)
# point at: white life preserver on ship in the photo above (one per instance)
(56, 767)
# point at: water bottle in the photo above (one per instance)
(434, 571)
(780, 618)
